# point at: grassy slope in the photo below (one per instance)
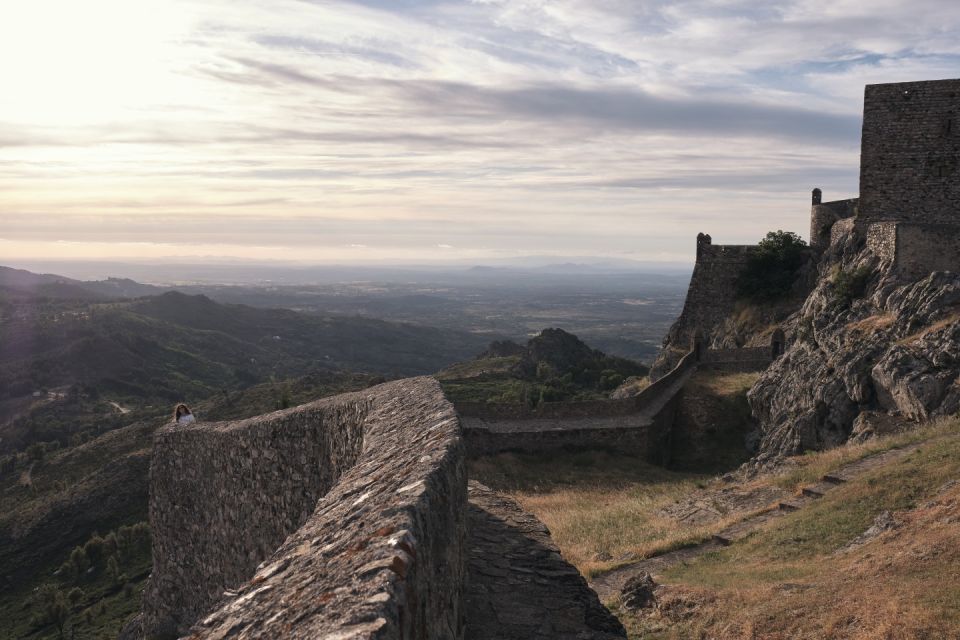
(796, 579)
(601, 509)
(605, 509)
(787, 581)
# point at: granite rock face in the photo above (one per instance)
(892, 349)
(343, 518)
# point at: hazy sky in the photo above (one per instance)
(429, 130)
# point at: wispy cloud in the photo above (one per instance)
(391, 127)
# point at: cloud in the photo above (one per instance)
(607, 126)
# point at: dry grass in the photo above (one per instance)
(727, 384)
(952, 318)
(811, 467)
(602, 509)
(634, 385)
(872, 324)
(798, 579)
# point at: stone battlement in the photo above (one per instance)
(341, 518)
(348, 518)
(640, 425)
(908, 209)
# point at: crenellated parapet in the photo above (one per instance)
(823, 215)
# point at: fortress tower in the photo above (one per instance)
(909, 153)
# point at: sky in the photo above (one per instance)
(434, 131)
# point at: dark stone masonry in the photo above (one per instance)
(344, 518)
(519, 586)
(909, 153)
(348, 518)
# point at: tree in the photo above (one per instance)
(52, 607)
(772, 268)
(79, 560)
(113, 570)
(37, 451)
(75, 595)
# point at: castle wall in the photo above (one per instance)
(910, 150)
(645, 432)
(339, 518)
(922, 249)
(824, 215)
(841, 229)
(882, 240)
(916, 250)
(712, 294)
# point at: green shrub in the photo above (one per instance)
(772, 269)
(113, 570)
(79, 561)
(850, 285)
(50, 607)
(37, 451)
(75, 595)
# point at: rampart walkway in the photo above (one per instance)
(639, 425)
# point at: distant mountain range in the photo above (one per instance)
(54, 286)
(63, 338)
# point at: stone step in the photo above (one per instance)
(787, 506)
(833, 479)
(812, 492)
(721, 540)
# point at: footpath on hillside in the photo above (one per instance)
(757, 506)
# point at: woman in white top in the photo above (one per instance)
(183, 415)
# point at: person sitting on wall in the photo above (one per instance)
(183, 415)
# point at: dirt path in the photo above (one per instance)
(608, 585)
(123, 410)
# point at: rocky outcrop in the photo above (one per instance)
(868, 341)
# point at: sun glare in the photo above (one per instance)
(66, 63)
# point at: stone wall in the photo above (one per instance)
(882, 240)
(712, 294)
(548, 410)
(644, 431)
(574, 410)
(840, 230)
(647, 439)
(924, 248)
(910, 150)
(340, 518)
(916, 250)
(825, 214)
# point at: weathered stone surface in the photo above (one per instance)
(519, 586)
(895, 350)
(639, 592)
(343, 518)
(910, 151)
